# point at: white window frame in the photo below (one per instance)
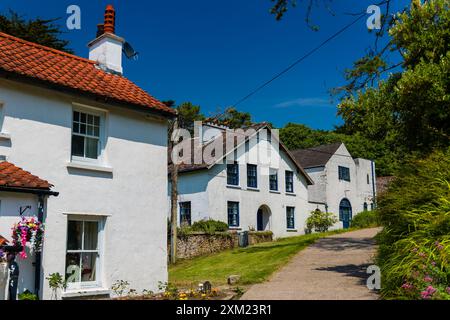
(100, 251)
(102, 114)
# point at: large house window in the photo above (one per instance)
(233, 174)
(290, 217)
(185, 213)
(344, 173)
(85, 135)
(252, 176)
(83, 254)
(290, 181)
(273, 180)
(233, 214)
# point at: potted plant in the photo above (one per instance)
(31, 230)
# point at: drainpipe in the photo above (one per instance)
(373, 185)
(38, 263)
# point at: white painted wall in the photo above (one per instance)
(132, 199)
(209, 195)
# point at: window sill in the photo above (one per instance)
(89, 167)
(291, 230)
(5, 136)
(253, 189)
(291, 194)
(234, 187)
(85, 293)
(274, 191)
(234, 228)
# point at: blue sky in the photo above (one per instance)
(212, 53)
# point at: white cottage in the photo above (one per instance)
(342, 185)
(101, 141)
(242, 188)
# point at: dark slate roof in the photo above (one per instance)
(317, 156)
(183, 168)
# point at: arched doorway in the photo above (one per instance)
(345, 213)
(263, 218)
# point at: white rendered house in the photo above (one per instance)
(242, 190)
(101, 141)
(342, 185)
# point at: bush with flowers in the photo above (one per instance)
(31, 230)
(414, 246)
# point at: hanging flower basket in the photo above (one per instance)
(31, 230)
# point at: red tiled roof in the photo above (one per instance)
(55, 67)
(15, 177)
(3, 241)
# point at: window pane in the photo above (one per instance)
(83, 117)
(76, 127)
(90, 130)
(88, 267)
(76, 116)
(73, 270)
(97, 131)
(77, 146)
(91, 148)
(90, 119)
(74, 233)
(90, 235)
(97, 121)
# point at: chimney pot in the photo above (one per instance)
(110, 20)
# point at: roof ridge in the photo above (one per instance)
(56, 51)
(319, 146)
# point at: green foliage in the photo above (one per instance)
(320, 221)
(415, 243)
(27, 295)
(366, 219)
(210, 226)
(120, 287)
(205, 226)
(56, 282)
(188, 114)
(408, 112)
(39, 31)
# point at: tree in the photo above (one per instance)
(40, 31)
(409, 111)
(233, 118)
(188, 113)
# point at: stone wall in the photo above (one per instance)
(200, 244)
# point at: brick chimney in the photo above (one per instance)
(106, 49)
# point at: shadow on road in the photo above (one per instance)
(350, 270)
(338, 244)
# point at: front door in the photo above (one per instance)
(345, 213)
(259, 220)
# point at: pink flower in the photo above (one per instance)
(428, 293)
(448, 290)
(428, 279)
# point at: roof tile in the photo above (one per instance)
(15, 177)
(69, 71)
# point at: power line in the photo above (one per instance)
(299, 60)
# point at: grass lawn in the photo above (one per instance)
(254, 264)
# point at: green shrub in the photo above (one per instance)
(366, 219)
(209, 226)
(27, 295)
(320, 221)
(414, 246)
(204, 226)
